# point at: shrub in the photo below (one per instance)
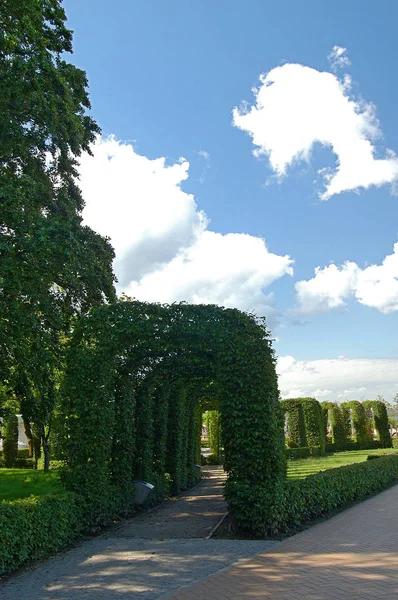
(34, 528)
(395, 443)
(214, 459)
(10, 439)
(295, 453)
(301, 501)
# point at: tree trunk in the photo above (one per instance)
(46, 452)
(29, 437)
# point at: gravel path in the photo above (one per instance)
(145, 558)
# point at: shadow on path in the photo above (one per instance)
(148, 557)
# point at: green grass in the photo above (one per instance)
(303, 467)
(21, 483)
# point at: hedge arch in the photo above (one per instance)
(332, 412)
(305, 423)
(293, 411)
(380, 417)
(312, 410)
(135, 377)
(360, 423)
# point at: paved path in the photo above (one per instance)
(353, 556)
(144, 558)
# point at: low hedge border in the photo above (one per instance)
(350, 445)
(327, 491)
(33, 528)
(295, 453)
(301, 502)
(22, 462)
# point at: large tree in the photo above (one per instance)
(52, 267)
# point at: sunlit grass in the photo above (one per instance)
(303, 467)
(21, 483)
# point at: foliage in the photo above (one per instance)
(167, 359)
(212, 419)
(296, 453)
(213, 459)
(293, 410)
(346, 416)
(338, 427)
(52, 268)
(304, 423)
(380, 416)
(313, 423)
(324, 492)
(34, 528)
(353, 446)
(325, 407)
(10, 439)
(360, 422)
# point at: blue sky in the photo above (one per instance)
(164, 80)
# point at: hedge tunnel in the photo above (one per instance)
(304, 422)
(136, 376)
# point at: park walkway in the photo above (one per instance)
(145, 558)
(353, 556)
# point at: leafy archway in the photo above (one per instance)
(136, 374)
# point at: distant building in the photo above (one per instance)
(22, 440)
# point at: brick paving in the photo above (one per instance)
(352, 556)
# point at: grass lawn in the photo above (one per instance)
(302, 467)
(21, 483)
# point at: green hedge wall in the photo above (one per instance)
(317, 495)
(34, 528)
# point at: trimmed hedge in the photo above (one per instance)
(33, 528)
(295, 453)
(21, 462)
(313, 423)
(338, 428)
(380, 417)
(350, 445)
(10, 439)
(295, 423)
(360, 421)
(302, 501)
(135, 375)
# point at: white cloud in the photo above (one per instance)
(164, 249)
(296, 107)
(337, 379)
(338, 58)
(375, 286)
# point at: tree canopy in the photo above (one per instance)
(52, 266)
